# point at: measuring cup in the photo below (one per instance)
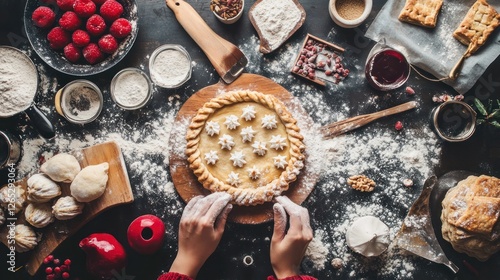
(38, 119)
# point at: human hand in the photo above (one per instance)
(200, 230)
(288, 248)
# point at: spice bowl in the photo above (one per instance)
(79, 101)
(349, 13)
(170, 66)
(218, 7)
(131, 89)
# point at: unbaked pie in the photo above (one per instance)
(421, 12)
(478, 24)
(247, 144)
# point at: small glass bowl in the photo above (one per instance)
(63, 105)
(157, 77)
(115, 95)
(233, 19)
(454, 121)
(346, 23)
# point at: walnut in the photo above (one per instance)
(337, 263)
(361, 183)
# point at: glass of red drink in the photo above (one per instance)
(386, 68)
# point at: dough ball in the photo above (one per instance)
(90, 183)
(61, 168)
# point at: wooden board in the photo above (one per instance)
(118, 191)
(187, 184)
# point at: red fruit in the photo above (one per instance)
(72, 53)
(65, 5)
(111, 10)
(57, 261)
(105, 255)
(67, 262)
(84, 8)
(43, 17)
(96, 25)
(398, 126)
(92, 53)
(65, 275)
(120, 28)
(70, 21)
(48, 270)
(58, 38)
(50, 277)
(146, 234)
(108, 44)
(80, 38)
(409, 91)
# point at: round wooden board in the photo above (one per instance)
(187, 184)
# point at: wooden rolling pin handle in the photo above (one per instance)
(212, 44)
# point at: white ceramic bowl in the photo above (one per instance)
(342, 22)
(233, 19)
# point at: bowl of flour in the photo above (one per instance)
(170, 66)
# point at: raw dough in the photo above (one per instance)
(67, 208)
(61, 168)
(90, 183)
(39, 215)
(42, 189)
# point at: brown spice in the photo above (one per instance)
(350, 9)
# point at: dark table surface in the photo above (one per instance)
(332, 205)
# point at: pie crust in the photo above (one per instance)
(421, 12)
(470, 216)
(478, 24)
(252, 175)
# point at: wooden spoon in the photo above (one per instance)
(337, 128)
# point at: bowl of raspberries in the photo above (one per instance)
(81, 37)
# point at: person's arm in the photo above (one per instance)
(288, 248)
(200, 231)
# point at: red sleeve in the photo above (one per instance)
(174, 276)
(297, 277)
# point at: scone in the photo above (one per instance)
(470, 216)
(421, 12)
(247, 144)
(478, 24)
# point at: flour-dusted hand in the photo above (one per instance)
(288, 248)
(200, 230)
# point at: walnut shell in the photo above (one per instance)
(42, 189)
(25, 237)
(66, 208)
(7, 195)
(61, 168)
(39, 215)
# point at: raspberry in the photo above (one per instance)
(120, 28)
(108, 44)
(96, 25)
(398, 126)
(84, 8)
(70, 21)
(111, 10)
(92, 53)
(80, 38)
(58, 38)
(72, 53)
(43, 17)
(65, 5)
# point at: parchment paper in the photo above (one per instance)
(435, 50)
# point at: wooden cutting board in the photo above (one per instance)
(118, 191)
(187, 184)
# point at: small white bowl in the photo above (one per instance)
(346, 23)
(233, 19)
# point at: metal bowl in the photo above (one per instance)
(55, 59)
